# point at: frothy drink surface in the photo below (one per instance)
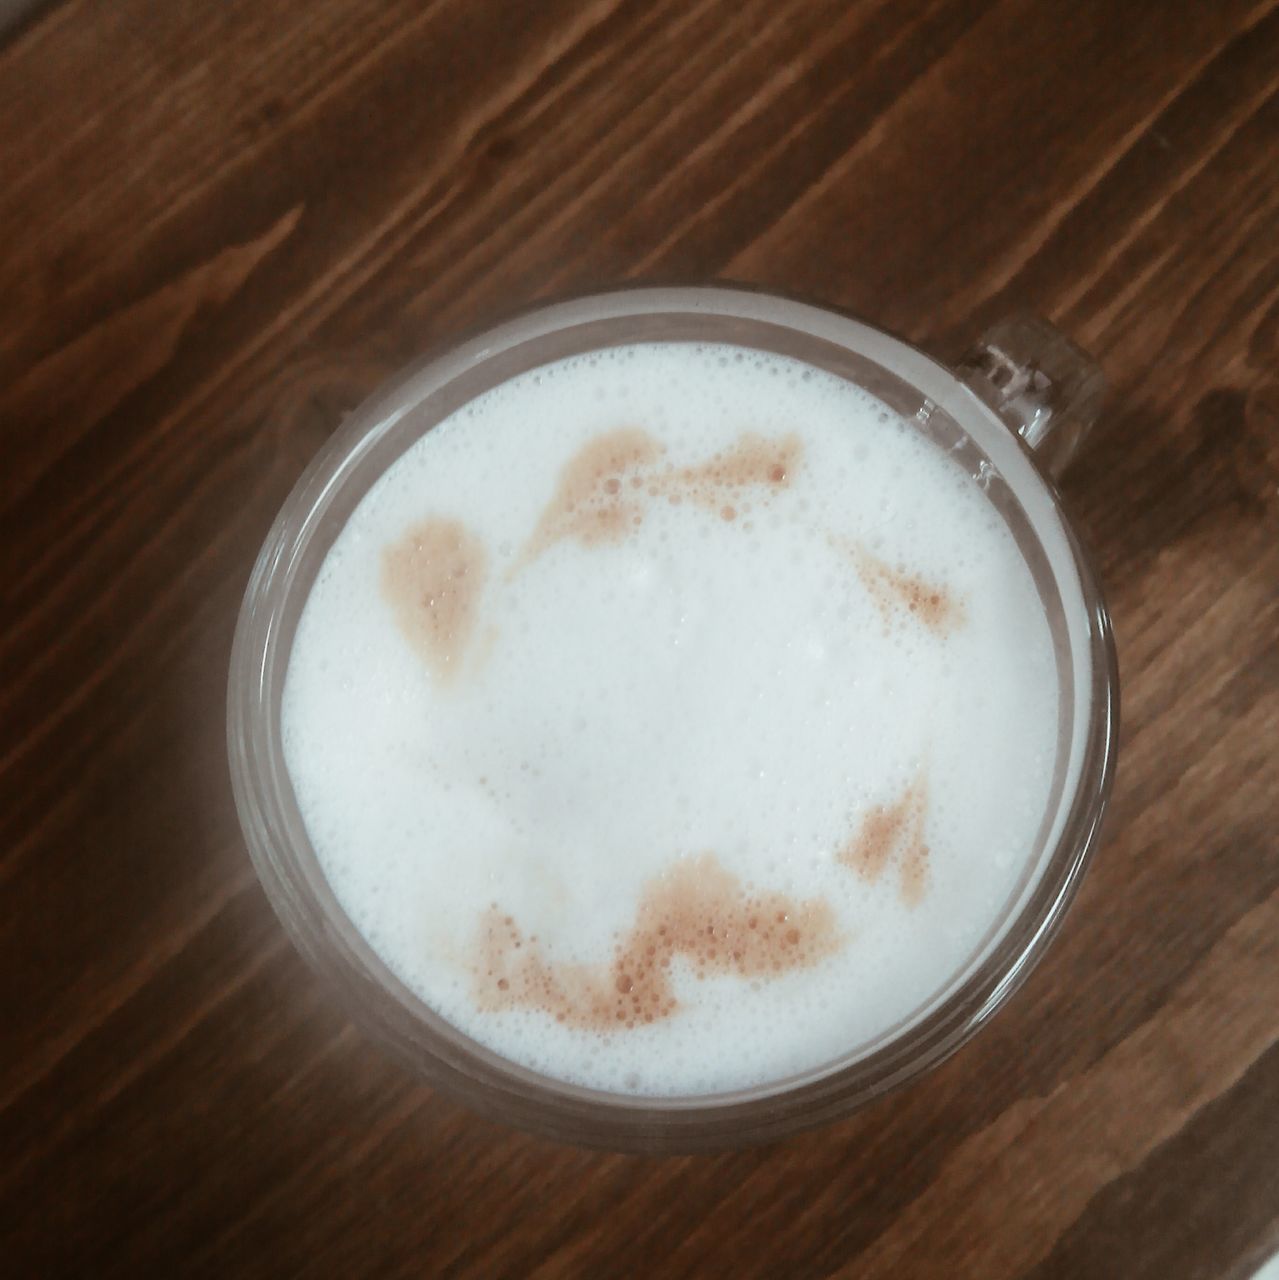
(673, 719)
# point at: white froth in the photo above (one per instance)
(706, 685)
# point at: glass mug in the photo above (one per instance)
(1016, 407)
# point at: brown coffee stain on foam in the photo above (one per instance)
(593, 502)
(894, 590)
(894, 833)
(753, 462)
(606, 488)
(698, 910)
(891, 587)
(433, 578)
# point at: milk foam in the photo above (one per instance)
(776, 689)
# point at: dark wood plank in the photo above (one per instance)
(222, 225)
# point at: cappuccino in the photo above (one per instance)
(674, 719)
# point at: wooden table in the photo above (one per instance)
(222, 224)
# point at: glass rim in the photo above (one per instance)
(326, 938)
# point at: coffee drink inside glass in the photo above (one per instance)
(676, 716)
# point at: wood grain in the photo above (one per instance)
(222, 224)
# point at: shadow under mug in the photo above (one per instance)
(1015, 409)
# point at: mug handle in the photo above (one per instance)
(1039, 383)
